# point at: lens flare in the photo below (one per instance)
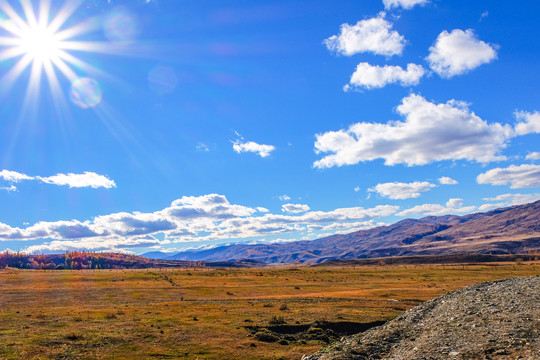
(32, 37)
(120, 27)
(85, 92)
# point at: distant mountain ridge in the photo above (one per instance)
(509, 230)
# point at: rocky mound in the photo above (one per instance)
(493, 320)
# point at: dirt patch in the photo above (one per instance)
(324, 331)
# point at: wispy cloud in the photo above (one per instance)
(202, 147)
(517, 176)
(294, 208)
(506, 200)
(533, 156)
(86, 179)
(453, 206)
(405, 4)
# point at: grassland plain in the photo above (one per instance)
(203, 313)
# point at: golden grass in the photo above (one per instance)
(202, 314)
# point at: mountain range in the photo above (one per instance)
(512, 230)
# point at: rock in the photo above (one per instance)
(499, 319)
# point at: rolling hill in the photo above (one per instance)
(512, 230)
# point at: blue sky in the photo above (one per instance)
(166, 124)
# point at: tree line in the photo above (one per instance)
(78, 260)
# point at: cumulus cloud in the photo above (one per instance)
(458, 52)
(284, 197)
(453, 206)
(188, 219)
(518, 176)
(533, 156)
(431, 132)
(401, 191)
(406, 4)
(96, 245)
(445, 180)
(294, 208)
(506, 200)
(87, 179)
(250, 146)
(213, 206)
(369, 77)
(454, 203)
(373, 35)
(529, 123)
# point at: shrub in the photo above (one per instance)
(277, 320)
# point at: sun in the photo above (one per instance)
(40, 43)
(37, 41)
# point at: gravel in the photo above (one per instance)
(492, 320)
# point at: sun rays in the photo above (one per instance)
(37, 40)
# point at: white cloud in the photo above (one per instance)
(87, 179)
(515, 199)
(458, 52)
(294, 208)
(518, 176)
(453, 206)
(356, 188)
(533, 156)
(454, 203)
(202, 147)
(9, 188)
(401, 191)
(13, 176)
(529, 123)
(445, 180)
(506, 200)
(250, 146)
(431, 132)
(188, 219)
(347, 227)
(284, 197)
(212, 206)
(373, 35)
(95, 245)
(370, 77)
(406, 4)
(262, 209)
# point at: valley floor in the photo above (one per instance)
(211, 313)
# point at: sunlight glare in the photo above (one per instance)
(40, 43)
(35, 39)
